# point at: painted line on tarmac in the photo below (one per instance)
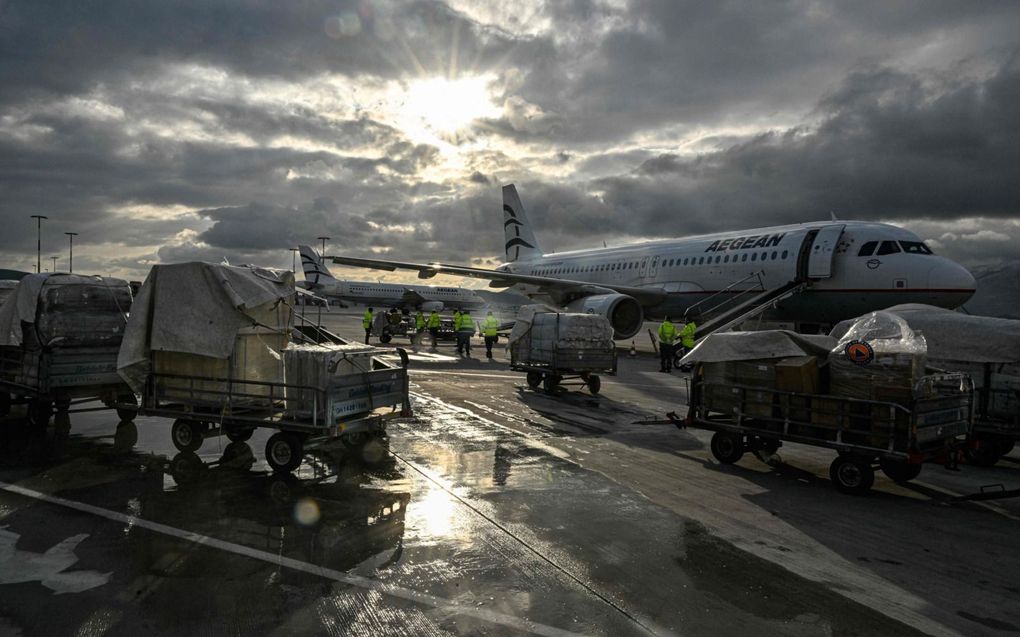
(451, 373)
(493, 617)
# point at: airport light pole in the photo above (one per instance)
(293, 260)
(54, 264)
(323, 240)
(70, 251)
(38, 241)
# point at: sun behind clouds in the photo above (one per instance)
(440, 110)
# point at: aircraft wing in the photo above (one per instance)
(561, 290)
(410, 297)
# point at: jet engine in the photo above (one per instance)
(624, 312)
(429, 306)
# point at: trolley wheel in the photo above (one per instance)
(726, 447)
(852, 474)
(127, 414)
(534, 379)
(549, 382)
(186, 434)
(283, 451)
(185, 467)
(985, 454)
(594, 384)
(355, 439)
(126, 435)
(237, 455)
(39, 412)
(5, 404)
(239, 434)
(899, 471)
(386, 337)
(62, 419)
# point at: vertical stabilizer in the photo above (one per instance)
(315, 270)
(520, 240)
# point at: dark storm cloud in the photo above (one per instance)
(694, 63)
(67, 47)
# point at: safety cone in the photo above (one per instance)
(633, 350)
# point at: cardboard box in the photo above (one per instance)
(798, 374)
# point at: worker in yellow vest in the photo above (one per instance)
(489, 327)
(366, 322)
(433, 326)
(419, 328)
(456, 332)
(465, 330)
(667, 334)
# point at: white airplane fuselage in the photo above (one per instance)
(848, 275)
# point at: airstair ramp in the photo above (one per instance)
(749, 307)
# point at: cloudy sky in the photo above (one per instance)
(163, 131)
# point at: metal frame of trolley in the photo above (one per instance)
(561, 366)
(896, 437)
(996, 410)
(59, 380)
(353, 407)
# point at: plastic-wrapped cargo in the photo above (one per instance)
(540, 336)
(219, 322)
(878, 358)
(65, 310)
(316, 367)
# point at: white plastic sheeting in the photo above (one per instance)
(955, 336)
(200, 308)
(744, 346)
(23, 303)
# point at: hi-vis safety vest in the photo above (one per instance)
(419, 321)
(687, 335)
(489, 326)
(463, 323)
(667, 333)
(366, 320)
(434, 320)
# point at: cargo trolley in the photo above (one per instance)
(551, 365)
(897, 437)
(353, 408)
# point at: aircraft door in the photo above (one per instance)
(644, 267)
(653, 268)
(823, 248)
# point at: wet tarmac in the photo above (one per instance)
(496, 510)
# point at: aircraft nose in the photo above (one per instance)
(950, 276)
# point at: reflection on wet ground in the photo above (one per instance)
(460, 527)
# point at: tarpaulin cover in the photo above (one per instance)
(955, 336)
(198, 308)
(523, 321)
(6, 289)
(24, 303)
(743, 346)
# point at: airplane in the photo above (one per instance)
(810, 273)
(412, 297)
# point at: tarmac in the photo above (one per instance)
(496, 510)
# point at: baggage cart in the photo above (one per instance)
(58, 349)
(208, 346)
(897, 436)
(996, 409)
(542, 350)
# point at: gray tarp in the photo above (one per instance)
(955, 336)
(23, 302)
(523, 321)
(743, 346)
(195, 308)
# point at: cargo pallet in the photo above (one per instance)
(551, 367)
(353, 408)
(898, 438)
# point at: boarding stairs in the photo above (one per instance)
(740, 301)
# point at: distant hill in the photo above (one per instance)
(11, 275)
(998, 292)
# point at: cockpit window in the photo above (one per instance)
(915, 247)
(888, 247)
(868, 249)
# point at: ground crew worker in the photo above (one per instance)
(366, 322)
(433, 326)
(687, 333)
(456, 331)
(489, 327)
(667, 334)
(465, 330)
(419, 328)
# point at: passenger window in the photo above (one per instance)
(888, 247)
(754, 256)
(726, 259)
(774, 254)
(743, 257)
(717, 259)
(867, 249)
(785, 253)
